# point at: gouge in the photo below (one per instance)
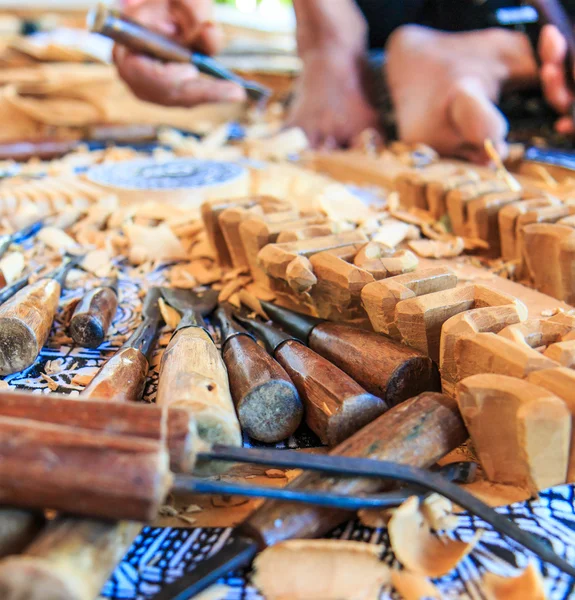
(193, 374)
(94, 313)
(268, 405)
(385, 368)
(26, 319)
(336, 406)
(138, 38)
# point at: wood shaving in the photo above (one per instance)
(53, 385)
(260, 292)
(204, 271)
(528, 585)
(12, 266)
(227, 501)
(170, 315)
(84, 376)
(4, 385)
(375, 518)
(320, 570)
(275, 474)
(168, 511)
(52, 367)
(413, 586)
(57, 239)
(186, 519)
(232, 287)
(418, 549)
(438, 512)
(153, 243)
(192, 508)
(235, 301)
(98, 262)
(437, 249)
(219, 591)
(253, 303)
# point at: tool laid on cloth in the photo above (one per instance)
(268, 405)
(138, 38)
(193, 374)
(16, 237)
(94, 314)
(7, 292)
(26, 319)
(416, 433)
(384, 367)
(335, 405)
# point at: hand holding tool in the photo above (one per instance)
(268, 405)
(385, 368)
(26, 319)
(138, 38)
(336, 406)
(94, 313)
(193, 374)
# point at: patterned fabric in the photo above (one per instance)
(160, 555)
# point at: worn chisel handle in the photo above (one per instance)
(417, 432)
(93, 316)
(268, 404)
(193, 376)
(387, 369)
(25, 322)
(336, 406)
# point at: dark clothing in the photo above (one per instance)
(383, 16)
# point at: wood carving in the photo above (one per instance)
(521, 432)
(419, 320)
(381, 297)
(437, 190)
(540, 332)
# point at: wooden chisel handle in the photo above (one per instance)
(387, 369)
(268, 404)
(25, 322)
(193, 376)
(121, 379)
(93, 317)
(80, 471)
(417, 432)
(336, 406)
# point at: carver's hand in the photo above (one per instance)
(444, 86)
(553, 52)
(189, 22)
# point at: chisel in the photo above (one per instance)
(268, 405)
(384, 367)
(193, 374)
(335, 405)
(26, 319)
(94, 314)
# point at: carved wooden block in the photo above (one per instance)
(563, 353)
(436, 191)
(294, 235)
(540, 332)
(458, 199)
(491, 353)
(520, 431)
(561, 382)
(507, 218)
(549, 251)
(381, 297)
(490, 319)
(420, 320)
(229, 222)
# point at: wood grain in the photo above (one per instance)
(268, 405)
(336, 406)
(93, 317)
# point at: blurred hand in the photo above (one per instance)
(444, 86)
(331, 105)
(174, 84)
(553, 52)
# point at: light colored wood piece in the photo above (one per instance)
(490, 319)
(539, 332)
(305, 233)
(491, 353)
(521, 432)
(229, 221)
(419, 320)
(436, 191)
(381, 297)
(299, 275)
(563, 353)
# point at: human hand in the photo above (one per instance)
(444, 86)
(553, 53)
(174, 84)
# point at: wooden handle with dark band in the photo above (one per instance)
(268, 405)
(193, 376)
(25, 322)
(385, 368)
(93, 317)
(336, 406)
(81, 472)
(417, 432)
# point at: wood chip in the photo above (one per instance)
(84, 376)
(260, 292)
(186, 519)
(320, 570)
(253, 303)
(219, 591)
(417, 549)
(57, 239)
(438, 512)
(53, 385)
(232, 287)
(376, 518)
(4, 385)
(167, 511)
(204, 271)
(413, 586)
(170, 315)
(153, 243)
(98, 262)
(192, 508)
(436, 248)
(528, 585)
(52, 367)
(275, 474)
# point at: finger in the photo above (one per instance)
(209, 39)
(173, 84)
(552, 45)
(555, 87)
(565, 126)
(154, 15)
(197, 29)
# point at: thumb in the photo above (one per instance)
(475, 117)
